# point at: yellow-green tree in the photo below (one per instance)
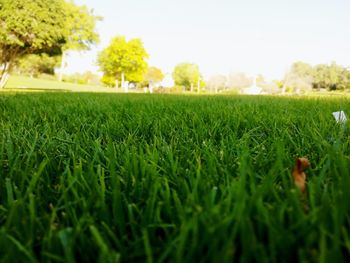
(153, 75)
(123, 60)
(187, 75)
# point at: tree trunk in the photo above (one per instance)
(191, 87)
(123, 82)
(198, 86)
(116, 84)
(63, 62)
(4, 75)
(3, 80)
(284, 90)
(7, 62)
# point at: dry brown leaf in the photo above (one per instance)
(299, 175)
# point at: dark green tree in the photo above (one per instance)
(28, 27)
(303, 76)
(36, 64)
(331, 77)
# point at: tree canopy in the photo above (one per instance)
(30, 26)
(123, 59)
(303, 76)
(80, 27)
(238, 80)
(42, 26)
(36, 64)
(186, 74)
(80, 30)
(331, 77)
(217, 82)
(153, 75)
(299, 78)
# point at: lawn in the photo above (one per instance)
(161, 178)
(22, 83)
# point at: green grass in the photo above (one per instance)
(22, 83)
(142, 178)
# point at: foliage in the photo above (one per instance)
(217, 82)
(109, 81)
(270, 87)
(123, 57)
(187, 75)
(153, 75)
(302, 69)
(80, 31)
(33, 65)
(80, 27)
(232, 83)
(299, 78)
(331, 77)
(83, 78)
(42, 26)
(303, 76)
(27, 27)
(136, 178)
(238, 80)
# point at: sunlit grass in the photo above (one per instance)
(22, 83)
(133, 178)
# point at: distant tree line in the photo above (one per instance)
(304, 77)
(35, 36)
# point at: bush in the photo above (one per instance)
(87, 78)
(108, 81)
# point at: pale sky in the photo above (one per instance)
(223, 36)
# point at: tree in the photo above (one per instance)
(260, 79)
(153, 75)
(302, 69)
(299, 77)
(87, 78)
(34, 65)
(238, 81)
(187, 75)
(217, 82)
(80, 31)
(303, 76)
(123, 60)
(27, 27)
(331, 77)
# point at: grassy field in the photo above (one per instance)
(22, 83)
(142, 178)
